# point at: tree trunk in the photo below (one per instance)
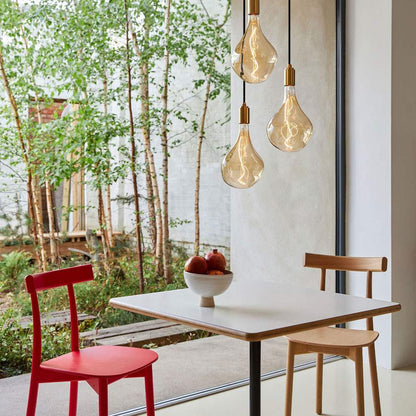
(150, 206)
(101, 221)
(51, 219)
(133, 158)
(32, 217)
(145, 127)
(25, 147)
(202, 133)
(144, 98)
(198, 158)
(167, 272)
(108, 216)
(53, 242)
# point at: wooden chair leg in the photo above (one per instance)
(289, 378)
(150, 401)
(33, 397)
(103, 397)
(374, 379)
(359, 381)
(73, 398)
(319, 375)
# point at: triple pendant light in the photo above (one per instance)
(289, 129)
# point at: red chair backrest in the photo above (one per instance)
(56, 278)
(49, 280)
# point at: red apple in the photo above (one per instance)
(196, 264)
(215, 260)
(215, 272)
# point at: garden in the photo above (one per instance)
(89, 106)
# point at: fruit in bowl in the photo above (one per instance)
(207, 277)
(216, 260)
(196, 264)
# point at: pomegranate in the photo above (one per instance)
(196, 264)
(215, 260)
(215, 272)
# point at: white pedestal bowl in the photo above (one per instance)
(207, 286)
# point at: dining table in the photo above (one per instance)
(254, 311)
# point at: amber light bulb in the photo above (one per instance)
(254, 57)
(290, 129)
(242, 167)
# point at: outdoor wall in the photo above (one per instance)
(291, 210)
(382, 162)
(214, 193)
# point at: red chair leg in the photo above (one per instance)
(103, 397)
(73, 397)
(150, 401)
(33, 397)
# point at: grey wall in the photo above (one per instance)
(381, 51)
(403, 148)
(291, 210)
(368, 150)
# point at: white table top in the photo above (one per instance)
(253, 312)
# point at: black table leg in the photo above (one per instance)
(255, 375)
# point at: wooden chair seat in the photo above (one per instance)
(335, 337)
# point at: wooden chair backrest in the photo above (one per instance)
(352, 264)
(49, 280)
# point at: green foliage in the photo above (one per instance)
(92, 297)
(13, 269)
(15, 221)
(77, 49)
(16, 344)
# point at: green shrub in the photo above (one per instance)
(16, 344)
(118, 279)
(14, 266)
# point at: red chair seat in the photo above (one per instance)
(102, 361)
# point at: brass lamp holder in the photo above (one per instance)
(254, 7)
(244, 114)
(289, 76)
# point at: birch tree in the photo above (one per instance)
(17, 91)
(210, 56)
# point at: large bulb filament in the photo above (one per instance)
(254, 57)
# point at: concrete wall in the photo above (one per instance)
(381, 39)
(291, 210)
(369, 150)
(403, 152)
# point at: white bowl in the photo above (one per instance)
(207, 286)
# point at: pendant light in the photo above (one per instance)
(242, 166)
(254, 57)
(290, 129)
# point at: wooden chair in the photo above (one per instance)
(345, 342)
(98, 366)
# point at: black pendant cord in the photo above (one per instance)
(288, 32)
(244, 30)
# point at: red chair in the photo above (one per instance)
(98, 366)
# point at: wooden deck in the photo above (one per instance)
(55, 318)
(70, 243)
(156, 331)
